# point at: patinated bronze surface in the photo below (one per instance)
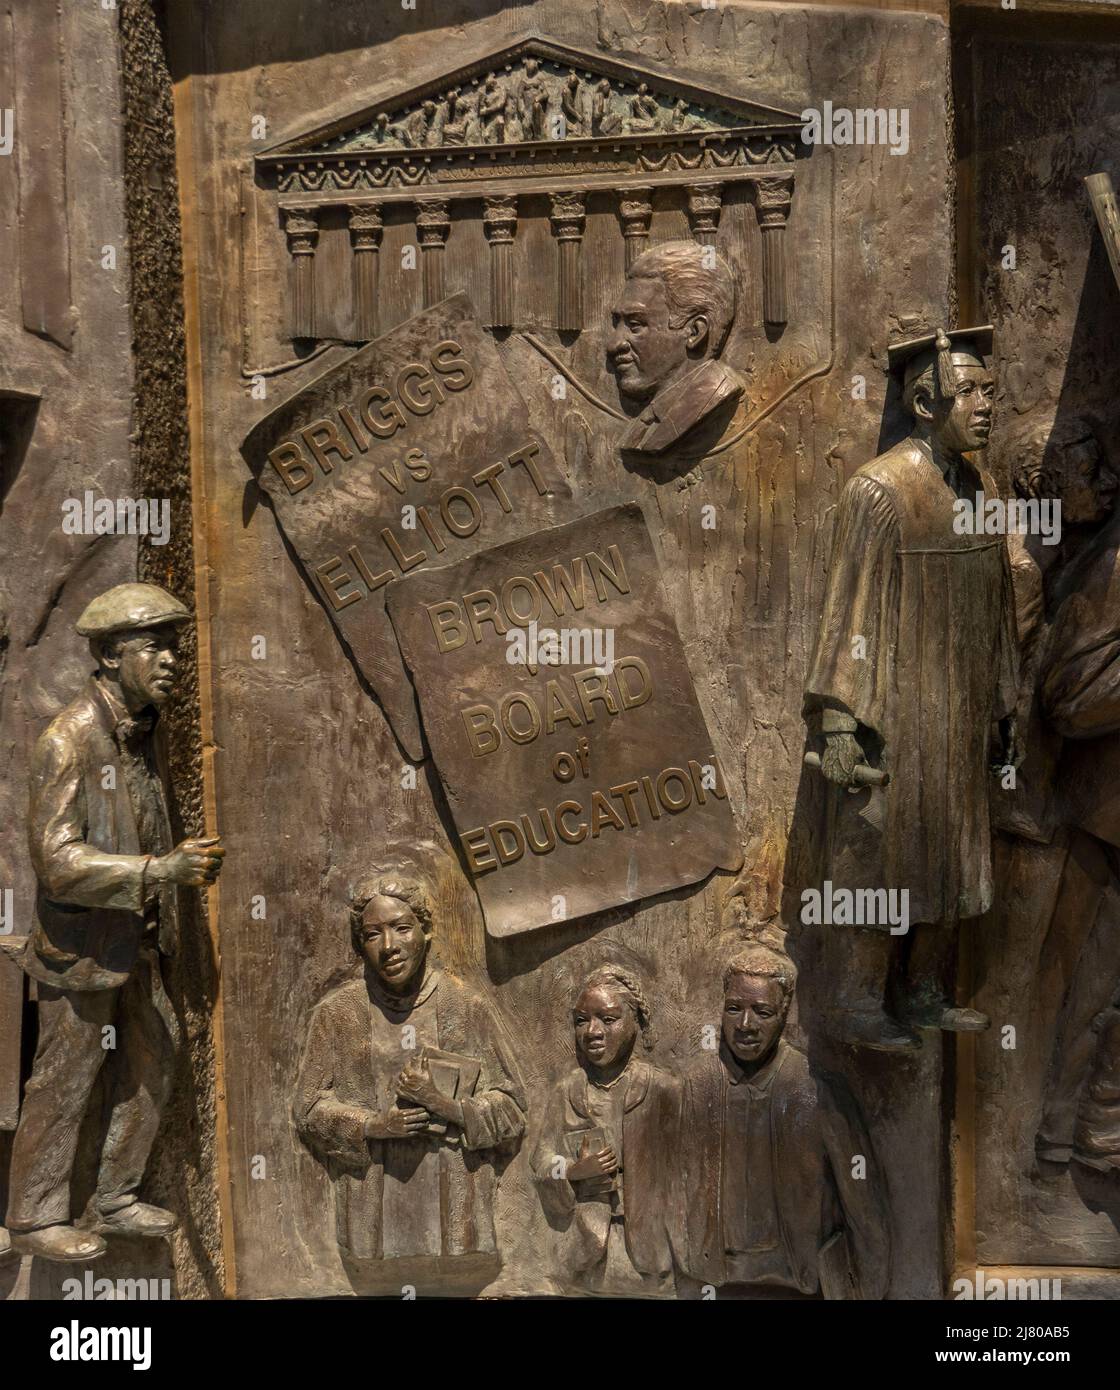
(107, 909)
(531, 476)
(560, 712)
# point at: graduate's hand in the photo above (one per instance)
(842, 755)
(398, 1122)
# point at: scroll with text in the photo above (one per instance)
(413, 452)
(561, 714)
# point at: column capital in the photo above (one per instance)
(499, 217)
(705, 202)
(635, 206)
(433, 222)
(772, 200)
(568, 215)
(301, 227)
(366, 226)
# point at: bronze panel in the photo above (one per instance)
(578, 786)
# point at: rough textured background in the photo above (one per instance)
(76, 357)
(183, 1170)
(113, 420)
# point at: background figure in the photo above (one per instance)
(604, 1159)
(774, 1194)
(1096, 1138)
(106, 910)
(1080, 695)
(409, 1092)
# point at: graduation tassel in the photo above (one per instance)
(946, 372)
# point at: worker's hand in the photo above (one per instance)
(191, 864)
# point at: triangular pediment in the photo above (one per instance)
(537, 92)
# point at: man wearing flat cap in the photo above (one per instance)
(106, 909)
(916, 661)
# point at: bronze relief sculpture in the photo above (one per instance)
(408, 1091)
(781, 1188)
(589, 637)
(668, 328)
(605, 1161)
(915, 661)
(107, 910)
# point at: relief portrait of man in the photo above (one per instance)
(773, 1199)
(408, 1091)
(603, 1159)
(669, 327)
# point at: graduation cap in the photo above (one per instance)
(912, 353)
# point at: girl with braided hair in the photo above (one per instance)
(603, 1160)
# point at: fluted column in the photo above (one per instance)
(433, 223)
(499, 220)
(365, 242)
(568, 217)
(705, 202)
(301, 227)
(635, 209)
(772, 204)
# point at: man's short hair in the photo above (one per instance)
(763, 963)
(696, 281)
(409, 891)
(1043, 468)
(921, 372)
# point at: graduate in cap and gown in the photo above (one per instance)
(916, 662)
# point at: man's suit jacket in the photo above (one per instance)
(815, 1132)
(89, 910)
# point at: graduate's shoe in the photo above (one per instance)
(136, 1219)
(875, 1029)
(947, 1017)
(64, 1243)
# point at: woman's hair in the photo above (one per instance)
(389, 885)
(630, 987)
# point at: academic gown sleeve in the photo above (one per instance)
(329, 1127)
(1009, 657)
(856, 643)
(494, 1117)
(557, 1195)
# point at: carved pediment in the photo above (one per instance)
(533, 130)
(529, 103)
